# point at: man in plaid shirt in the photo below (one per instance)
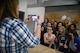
(14, 35)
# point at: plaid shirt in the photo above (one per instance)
(15, 37)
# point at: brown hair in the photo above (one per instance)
(2, 6)
(10, 7)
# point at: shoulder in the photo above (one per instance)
(77, 39)
(53, 35)
(11, 20)
(45, 34)
(8, 21)
(16, 22)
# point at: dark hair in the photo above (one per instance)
(47, 20)
(74, 33)
(58, 24)
(74, 25)
(70, 26)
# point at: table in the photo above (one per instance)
(42, 49)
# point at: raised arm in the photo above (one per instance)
(22, 35)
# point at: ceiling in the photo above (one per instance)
(32, 3)
(36, 1)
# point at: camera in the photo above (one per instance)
(34, 18)
(63, 38)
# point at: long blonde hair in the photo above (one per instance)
(10, 6)
(62, 28)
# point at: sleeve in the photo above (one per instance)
(22, 35)
(77, 40)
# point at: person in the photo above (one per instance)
(49, 24)
(59, 24)
(42, 35)
(54, 27)
(74, 42)
(62, 45)
(73, 27)
(15, 37)
(44, 24)
(52, 21)
(66, 23)
(49, 38)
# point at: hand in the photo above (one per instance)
(65, 46)
(49, 46)
(27, 20)
(38, 20)
(60, 44)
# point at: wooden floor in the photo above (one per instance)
(42, 49)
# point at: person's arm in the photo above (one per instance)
(45, 39)
(26, 20)
(77, 40)
(38, 29)
(53, 39)
(22, 35)
(61, 44)
(65, 46)
(50, 43)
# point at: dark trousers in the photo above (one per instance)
(64, 50)
(70, 51)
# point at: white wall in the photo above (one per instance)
(23, 6)
(39, 11)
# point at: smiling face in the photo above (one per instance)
(59, 24)
(52, 21)
(61, 30)
(49, 24)
(46, 20)
(72, 27)
(49, 30)
(66, 21)
(55, 24)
